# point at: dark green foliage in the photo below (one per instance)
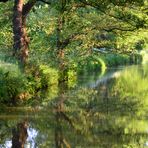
(16, 86)
(12, 84)
(91, 63)
(116, 59)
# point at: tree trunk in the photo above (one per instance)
(21, 41)
(63, 70)
(19, 30)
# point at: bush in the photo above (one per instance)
(92, 63)
(116, 59)
(15, 86)
(49, 76)
(12, 83)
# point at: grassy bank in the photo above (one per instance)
(17, 87)
(102, 61)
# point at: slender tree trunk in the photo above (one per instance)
(19, 30)
(21, 41)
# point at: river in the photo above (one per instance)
(107, 110)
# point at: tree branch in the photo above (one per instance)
(49, 3)
(100, 8)
(67, 40)
(27, 7)
(120, 29)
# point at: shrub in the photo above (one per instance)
(92, 63)
(49, 76)
(12, 83)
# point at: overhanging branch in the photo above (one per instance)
(120, 29)
(27, 7)
(99, 8)
(49, 3)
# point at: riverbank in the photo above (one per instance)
(99, 61)
(17, 87)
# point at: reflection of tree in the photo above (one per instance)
(113, 112)
(19, 135)
(4, 131)
(104, 116)
(60, 140)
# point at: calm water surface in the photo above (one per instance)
(101, 111)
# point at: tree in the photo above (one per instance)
(119, 12)
(21, 41)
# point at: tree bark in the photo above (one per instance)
(20, 46)
(21, 41)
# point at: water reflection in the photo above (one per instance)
(19, 135)
(60, 116)
(60, 140)
(112, 113)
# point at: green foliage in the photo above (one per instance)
(41, 77)
(5, 27)
(136, 92)
(84, 25)
(107, 112)
(91, 63)
(12, 83)
(144, 55)
(72, 78)
(15, 86)
(49, 76)
(133, 41)
(116, 59)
